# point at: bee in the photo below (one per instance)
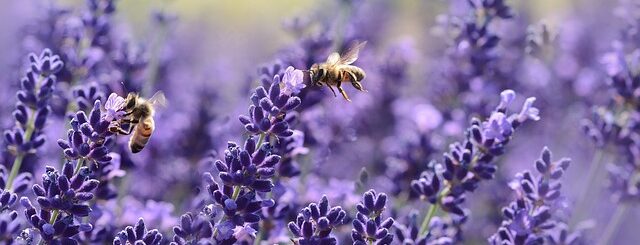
(139, 113)
(338, 69)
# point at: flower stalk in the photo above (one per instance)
(424, 228)
(582, 206)
(614, 223)
(15, 168)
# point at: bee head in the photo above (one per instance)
(317, 75)
(131, 101)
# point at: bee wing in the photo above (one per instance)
(158, 99)
(333, 58)
(352, 54)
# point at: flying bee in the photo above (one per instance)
(139, 114)
(338, 69)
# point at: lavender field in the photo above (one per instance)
(320, 122)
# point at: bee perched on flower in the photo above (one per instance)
(136, 111)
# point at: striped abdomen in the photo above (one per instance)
(141, 135)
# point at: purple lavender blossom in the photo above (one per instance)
(244, 234)
(531, 218)
(193, 229)
(269, 110)
(468, 163)
(613, 128)
(248, 167)
(289, 149)
(113, 107)
(9, 222)
(422, 136)
(293, 81)
(32, 108)
(9, 226)
(315, 223)
(63, 196)
(86, 96)
(242, 177)
(408, 232)
(89, 137)
(368, 227)
(138, 234)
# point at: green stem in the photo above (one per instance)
(17, 163)
(54, 216)
(427, 219)
(236, 192)
(78, 166)
(261, 140)
(234, 196)
(617, 218)
(432, 211)
(14, 170)
(591, 180)
(52, 220)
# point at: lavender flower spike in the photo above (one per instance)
(193, 229)
(89, 137)
(250, 166)
(138, 234)
(469, 162)
(532, 218)
(32, 109)
(315, 223)
(268, 113)
(62, 197)
(368, 227)
(85, 96)
(9, 222)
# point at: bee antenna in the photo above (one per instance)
(124, 87)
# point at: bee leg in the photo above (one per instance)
(128, 113)
(355, 83)
(116, 128)
(344, 94)
(120, 130)
(333, 91)
(130, 121)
